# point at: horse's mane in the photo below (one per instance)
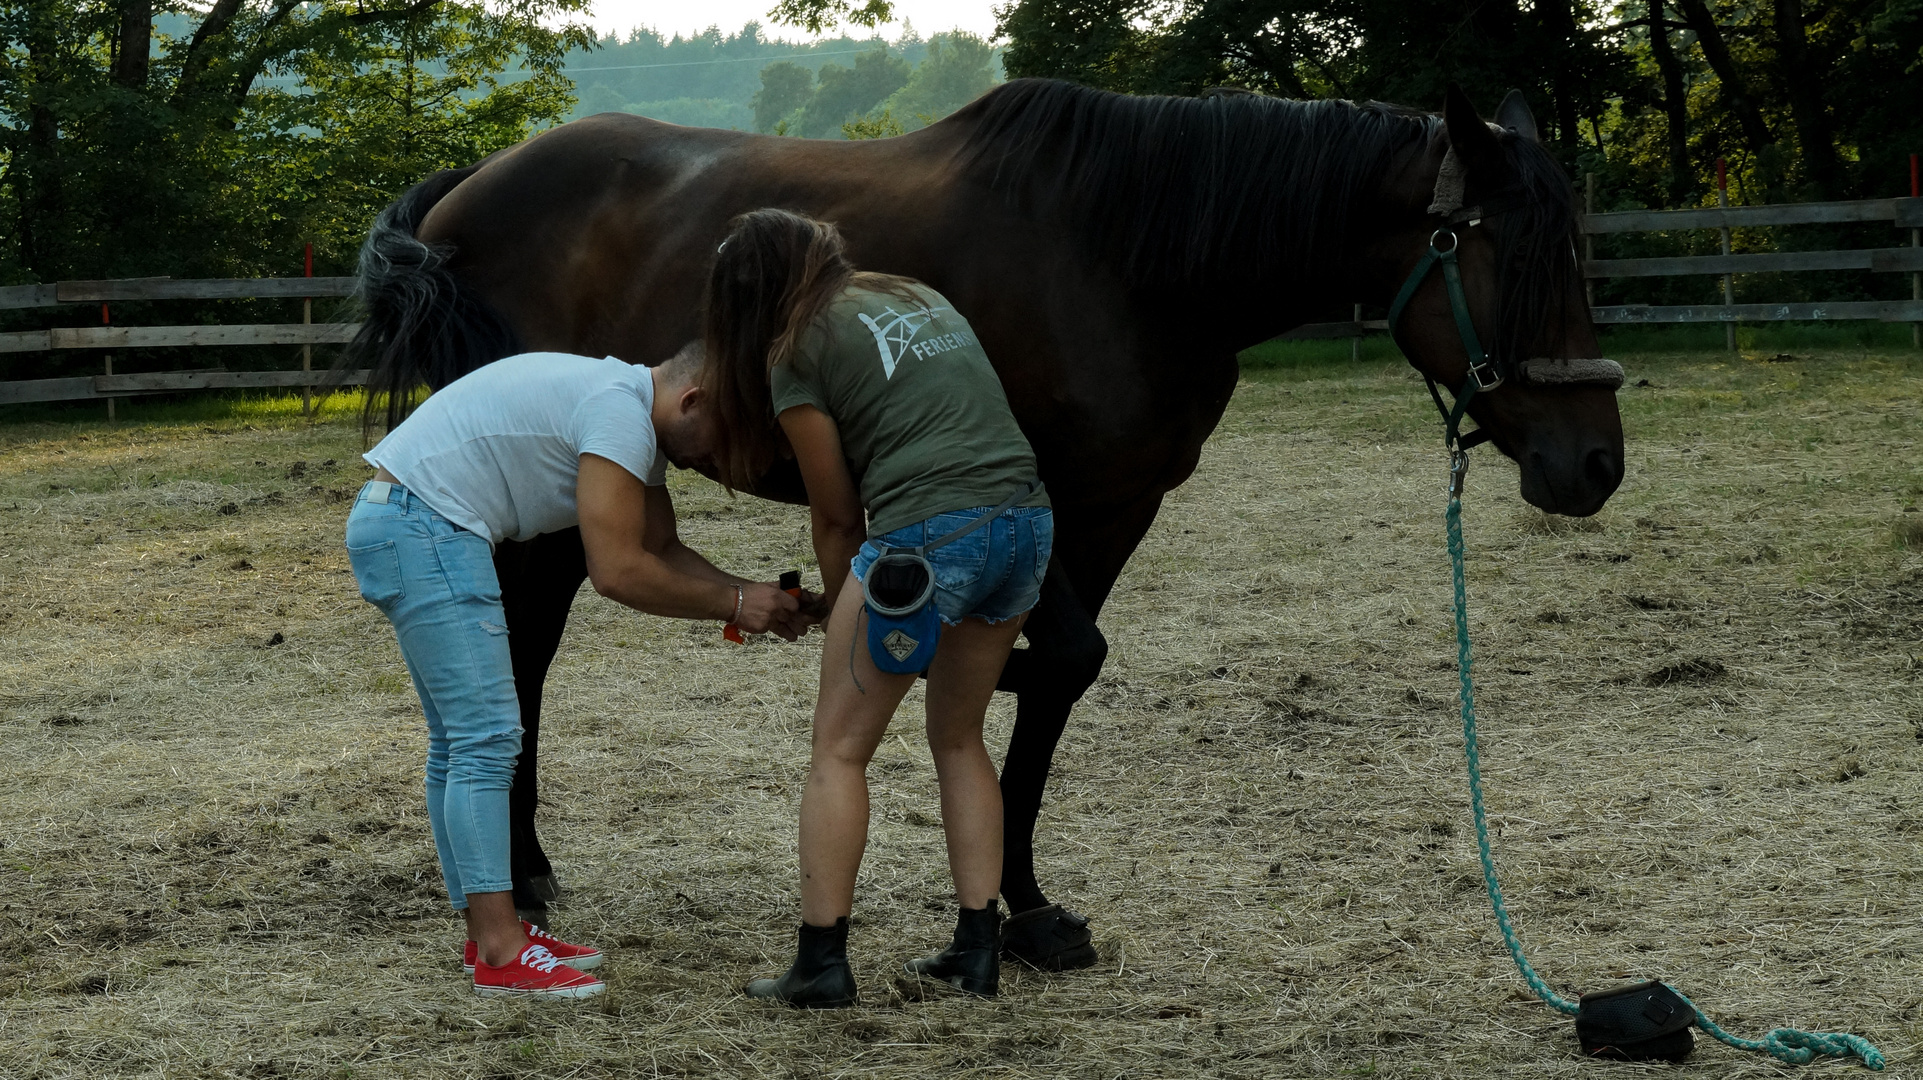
(1238, 186)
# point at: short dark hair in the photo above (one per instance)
(686, 362)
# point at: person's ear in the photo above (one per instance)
(690, 399)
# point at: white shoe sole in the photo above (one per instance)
(579, 963)
(584, 991)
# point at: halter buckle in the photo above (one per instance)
(1486, 375)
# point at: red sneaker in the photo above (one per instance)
(535, 973)
(578, 957)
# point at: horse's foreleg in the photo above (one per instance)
(1064, 656)
(538, 581)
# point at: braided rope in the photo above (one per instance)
(1783, 1044)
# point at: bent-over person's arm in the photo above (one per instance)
(613, 505)
(661, 538)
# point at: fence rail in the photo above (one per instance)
(1903, 213)
(164, 382)
(1900, 213)
(109, 386)
(90, 292)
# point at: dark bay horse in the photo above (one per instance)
(1113, 253)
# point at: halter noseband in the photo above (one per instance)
(1485, 373)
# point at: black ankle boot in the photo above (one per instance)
(973, 962)
(820, 978)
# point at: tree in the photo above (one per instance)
(956, 71)
(820, 16)
(846, 93)
(785, 87)
(273, 122)
(882, 125)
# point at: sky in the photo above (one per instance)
(693, 16)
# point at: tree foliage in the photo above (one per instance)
(880, 95)
(844, 93)
(1807, 98)
(142, 137)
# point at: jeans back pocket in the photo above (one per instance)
(1042, 531)
(959, 564)
(377, 568)
(468, 564)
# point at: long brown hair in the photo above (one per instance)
(772, 276)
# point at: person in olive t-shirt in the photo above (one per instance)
(921, 414)
(893, 413)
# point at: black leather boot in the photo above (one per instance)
(1050, 937)
(973, 962)
(820, 978)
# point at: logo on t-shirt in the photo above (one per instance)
(896, 333)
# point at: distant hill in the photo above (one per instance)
(716, 80)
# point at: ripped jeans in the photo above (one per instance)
(435, 582)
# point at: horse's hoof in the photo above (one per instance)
(1051, 938)
(533, 916)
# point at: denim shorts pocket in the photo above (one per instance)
(1043, 526)
(377, 568)
(467, 562)
(959, 565)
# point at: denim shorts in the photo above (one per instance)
(994, 573)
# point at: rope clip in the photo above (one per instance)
(1458, 469)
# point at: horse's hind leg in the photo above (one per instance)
(1063, 658)
(539, 579)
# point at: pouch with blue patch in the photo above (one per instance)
(904, 626)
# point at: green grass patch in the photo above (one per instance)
(1320, 356)
(218, 408)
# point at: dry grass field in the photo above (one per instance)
(1702, 721)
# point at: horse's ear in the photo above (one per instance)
(1514, 114)
(1469, 137)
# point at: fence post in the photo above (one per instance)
(1916, 276)
(106, 321)
(1729, 280)
(1588, 238)
(1355, 343)
(307, 348)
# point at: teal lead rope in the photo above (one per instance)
(1783, 1044)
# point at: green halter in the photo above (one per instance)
(1484, 374)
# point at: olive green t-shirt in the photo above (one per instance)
(923, 419)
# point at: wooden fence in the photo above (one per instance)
(1900, 213)
(108, 385)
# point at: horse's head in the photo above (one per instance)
(1489, 206)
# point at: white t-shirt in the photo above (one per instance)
(498, 450)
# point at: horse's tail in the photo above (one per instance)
(420, 324)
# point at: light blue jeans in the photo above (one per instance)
(435, 582)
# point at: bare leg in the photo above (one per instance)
(849, 725)
(494, 927)
(960, 682)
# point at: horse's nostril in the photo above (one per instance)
(1602, 470)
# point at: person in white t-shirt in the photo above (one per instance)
(527, 445)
